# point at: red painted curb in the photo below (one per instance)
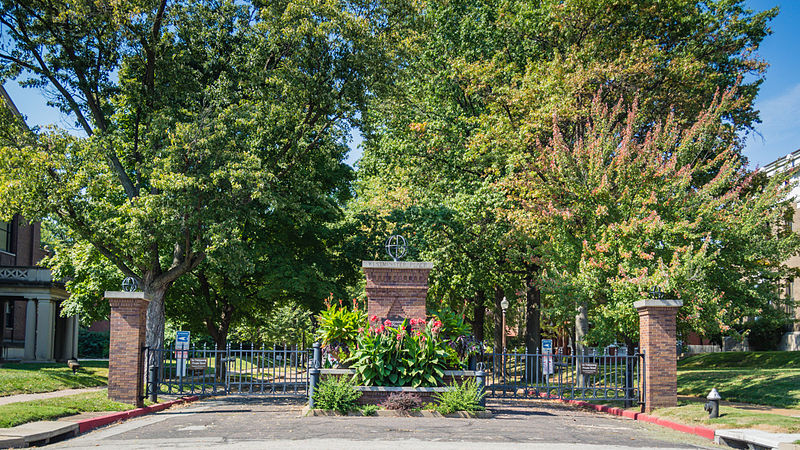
(96, 422)
(703, 432)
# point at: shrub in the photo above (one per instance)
(464, 397)
(339, 327)
(93, 344)
(387, 356)
(369, 410)
(764, 333)
(402, 401)
(336, 394)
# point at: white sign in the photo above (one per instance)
(547, 357)
(181, 352)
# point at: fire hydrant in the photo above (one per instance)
(713, 404)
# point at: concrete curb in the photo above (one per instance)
(703, 432)
(96, 422)
(306, 412)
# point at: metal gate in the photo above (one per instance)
(235, 370)
(579, 377)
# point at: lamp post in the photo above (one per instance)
(504, 307)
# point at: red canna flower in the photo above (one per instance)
(387, 323)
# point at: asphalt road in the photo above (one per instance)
(231, 422)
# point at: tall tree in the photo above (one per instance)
(619, 211)
(486, 79)
(192, 116)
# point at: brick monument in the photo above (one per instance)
(125, 356)
(657, 341)
(397, 290)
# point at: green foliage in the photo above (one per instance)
(33, 378)
(764, 333)
(14, 414)
(386, 356)
(338, 326)
(369, 410)
(453, 324)
(336, 394)
(461, 397)
(402, 401)
(741, 360)
(286, 324)
(204, 126)
(93, 344)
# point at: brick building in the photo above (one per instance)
(791, 340)
(31, 326)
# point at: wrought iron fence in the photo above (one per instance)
(267, 371)
(192, 371)
(236, 369)
(580, 377)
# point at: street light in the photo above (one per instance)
(504, 306)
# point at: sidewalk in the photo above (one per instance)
(44, 395)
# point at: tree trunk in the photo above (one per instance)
(154, 337)
(498, 319)
(581, 328)
(533, 309)
(479, 315)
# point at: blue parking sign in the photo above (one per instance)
(182, 336)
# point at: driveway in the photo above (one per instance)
(231, 422)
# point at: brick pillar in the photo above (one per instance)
(396, 290)
(125, 358)
(657, 341)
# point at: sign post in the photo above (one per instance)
(181, 352)
(547, 357)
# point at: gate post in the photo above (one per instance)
(126, 359)
(657, 341)
(313, 373)
(480, 378)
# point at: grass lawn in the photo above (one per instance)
(764, 378)
(33, 378)
(15, 414)
(693, 414)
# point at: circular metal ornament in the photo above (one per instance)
(396, 247)
(656, 293)
(129, 284)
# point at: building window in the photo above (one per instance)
(5, 236)
(10, 314)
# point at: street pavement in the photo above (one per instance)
(235, 422)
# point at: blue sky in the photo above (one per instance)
(778, 101)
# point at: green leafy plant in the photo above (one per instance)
(339, 326)
(453, 324)
(402, 401)
(388, 356)
(462, 397)
(369, 410)
(336, 394)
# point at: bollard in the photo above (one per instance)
(152, 380)
(713, 404)
(480, 378)
(313, 373)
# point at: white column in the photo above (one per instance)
(44, 330)
(69, 330)
(76, 325)
(30, 330)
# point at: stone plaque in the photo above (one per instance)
(396, 290)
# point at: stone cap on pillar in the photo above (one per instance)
(396, 265)
(657, 303)
(123, 295)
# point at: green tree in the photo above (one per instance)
(481, 87)
(619, 212)
(192, 117)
